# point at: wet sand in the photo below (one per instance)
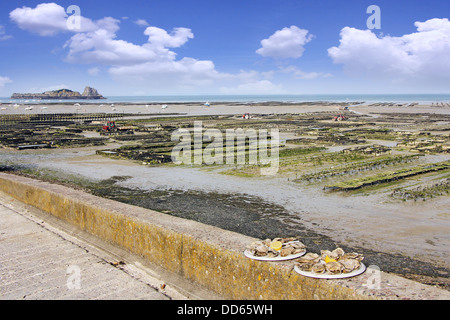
(368, 221)
(391, 235)
(213, 109)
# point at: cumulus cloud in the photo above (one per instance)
(101, 47)
(151, 66)
(285, 43)
(422, 54)
(152, 63)
(95, 42)
(4, 81)
(48, 19)
(160, 38)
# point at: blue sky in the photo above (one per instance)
(157, 47)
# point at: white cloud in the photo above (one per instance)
(4, 81)
(3, 35)
(152, 63)
(170, 75)
(285, 43)
(420, 55)
(153, 66)
(300, 74)
(100, 47)
(94, 71)
(141, 22)
(160, 38)
(48, 19)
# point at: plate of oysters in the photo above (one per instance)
(334, 264)
(276, 249)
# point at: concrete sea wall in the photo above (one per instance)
(203, 254)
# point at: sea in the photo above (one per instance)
(357, 98)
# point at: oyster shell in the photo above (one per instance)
(337, 253)
(286, 240)
(296, 244)
(260, 248)
(286, 251)
(272, 253)
(353, 255)
(309, 258)
(254, 244)
(306, 266)
(333, 267)
(324, 254)
(330, 262)
(318, 268)
(348, 265)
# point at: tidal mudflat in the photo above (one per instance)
(376, 181)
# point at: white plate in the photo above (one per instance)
(248, 254)
(361, 269)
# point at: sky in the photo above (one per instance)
(200, 47)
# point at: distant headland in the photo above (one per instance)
(88, 94)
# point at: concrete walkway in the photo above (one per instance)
(38, 261)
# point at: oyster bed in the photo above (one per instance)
(402, 237)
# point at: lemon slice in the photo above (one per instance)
(328, 259)
(276, 245)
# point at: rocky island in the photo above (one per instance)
(88, 94)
